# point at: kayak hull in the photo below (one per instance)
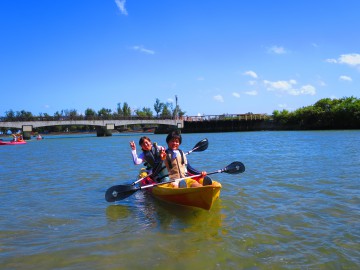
(200, 197)
(12, 142)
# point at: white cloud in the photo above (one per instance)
(279, 85)
(306, 90)
(143, 50)
(219, 98)
(352, 59)
(252, 93)
(237, 95)
(345, 78)
(277, 50)
(121, 5)
(252, 82)
(331, 60)
(288, 87)
(251, 74)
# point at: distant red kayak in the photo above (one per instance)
(12, 142)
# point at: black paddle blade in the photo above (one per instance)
(119, 192)
(201, 146)
(235, 168)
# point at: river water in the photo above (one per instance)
(297, 205)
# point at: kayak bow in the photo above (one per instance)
(200, 197)
(11, 142)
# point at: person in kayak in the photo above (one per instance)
(152, 155)
(15, 138)
(177, 164)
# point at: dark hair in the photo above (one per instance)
(142, 139)
(174, 134)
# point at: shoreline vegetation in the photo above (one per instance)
(325, 114)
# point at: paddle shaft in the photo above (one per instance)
(139, 180)
(200, 146)
(179, 179)
(192, 150)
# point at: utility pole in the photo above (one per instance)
(176, 106)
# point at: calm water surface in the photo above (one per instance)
(297, 206)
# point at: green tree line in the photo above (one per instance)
(162, 109)
(327, 113)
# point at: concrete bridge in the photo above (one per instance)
(205, 123)
(104, 127)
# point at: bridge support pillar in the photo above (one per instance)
(103, 132)
(26, 132)
(26, 135)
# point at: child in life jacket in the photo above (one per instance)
(177, 164)
(153, 155)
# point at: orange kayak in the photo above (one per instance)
(200, 197)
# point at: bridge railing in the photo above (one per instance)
(245, 117)
(241, 117)
(80, 117)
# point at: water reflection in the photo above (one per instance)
(145, 212)
(115, 212)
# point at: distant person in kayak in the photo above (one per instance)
(178, 166)
(152, 155)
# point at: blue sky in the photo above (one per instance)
(229, 56)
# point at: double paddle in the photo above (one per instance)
(120, 192)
